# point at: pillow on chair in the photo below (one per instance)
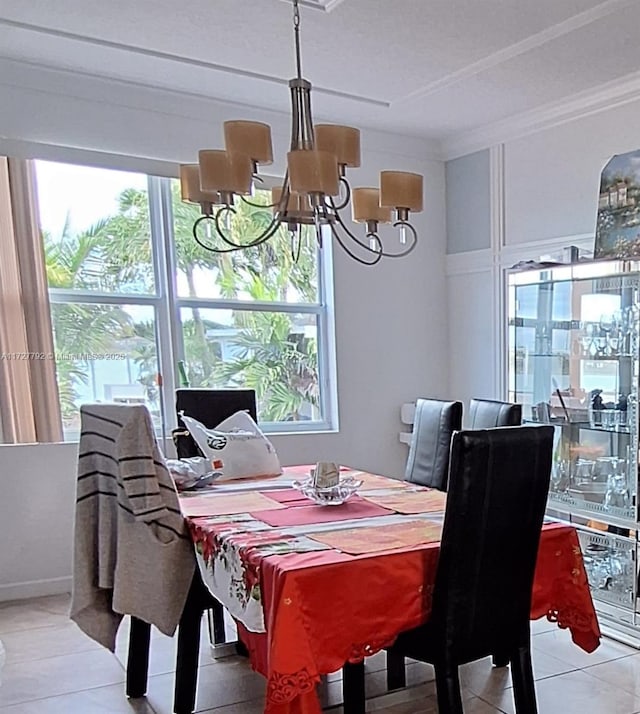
(236, 447)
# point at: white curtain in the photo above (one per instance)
(29, 405)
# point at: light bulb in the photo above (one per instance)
(403, 235)
(373, 243)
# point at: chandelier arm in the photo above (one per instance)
(383, 253)
(223, 211)
(284, 196)
(263, 237)
(202, 244)
(345, 202)
(412, 245)
(351, 254)
(255, 177)
(274, 226)
(352, 235)
(296, 237)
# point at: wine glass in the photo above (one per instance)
(586, 339)
(607, 325)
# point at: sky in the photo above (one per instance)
(84, 193)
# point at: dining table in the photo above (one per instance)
(313, 587)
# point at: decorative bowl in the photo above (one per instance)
(332, 496)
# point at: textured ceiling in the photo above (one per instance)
(436, 68)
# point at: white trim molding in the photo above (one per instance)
(478, 261)
(603, 98)
(35, 588)
(472, 261)
(533, 250)
(532, 42)
(498, 284)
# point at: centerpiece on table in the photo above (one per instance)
(325, 486)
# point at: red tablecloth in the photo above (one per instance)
(309, 634)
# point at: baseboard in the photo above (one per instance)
(35, 588)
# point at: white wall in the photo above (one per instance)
(391, 320)
(552, 178)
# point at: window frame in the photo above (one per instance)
(167, 305)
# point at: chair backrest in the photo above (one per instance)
(131, 544)
(498, 484)
(209, 406)
(434, 423)
(488, 413)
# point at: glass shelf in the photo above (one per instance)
(566, 356)
(578, 503)
(582, 425)
(610, 566)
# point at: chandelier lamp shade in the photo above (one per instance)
(315, 191)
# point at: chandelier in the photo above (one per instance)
(315, 190)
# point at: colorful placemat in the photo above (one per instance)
(299, 515)
(217, 504)
(373, 481)
(373, 539)
(410, 501)
(287, 495)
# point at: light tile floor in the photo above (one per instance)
(53, 668)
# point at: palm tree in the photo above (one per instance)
(269, 353)
(71, 262)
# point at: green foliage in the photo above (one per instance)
(267, 351)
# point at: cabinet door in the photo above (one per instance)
(574, 363)
(610, 564)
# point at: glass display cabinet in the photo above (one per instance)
(573, 362)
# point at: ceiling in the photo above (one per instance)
(431, 68)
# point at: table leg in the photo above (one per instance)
(187, 659)
(353, 692)
(396, 673)
(216, 623)
(500, 659)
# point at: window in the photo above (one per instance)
(132, 295)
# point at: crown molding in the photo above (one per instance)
(191, 62)
(34, 77)
(560, 29)
(582, 104)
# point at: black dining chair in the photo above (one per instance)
(198, 601)
(211, 406)
(498, 484)
(433, 425)
(489, 413)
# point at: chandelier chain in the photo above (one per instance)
(296, 27)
